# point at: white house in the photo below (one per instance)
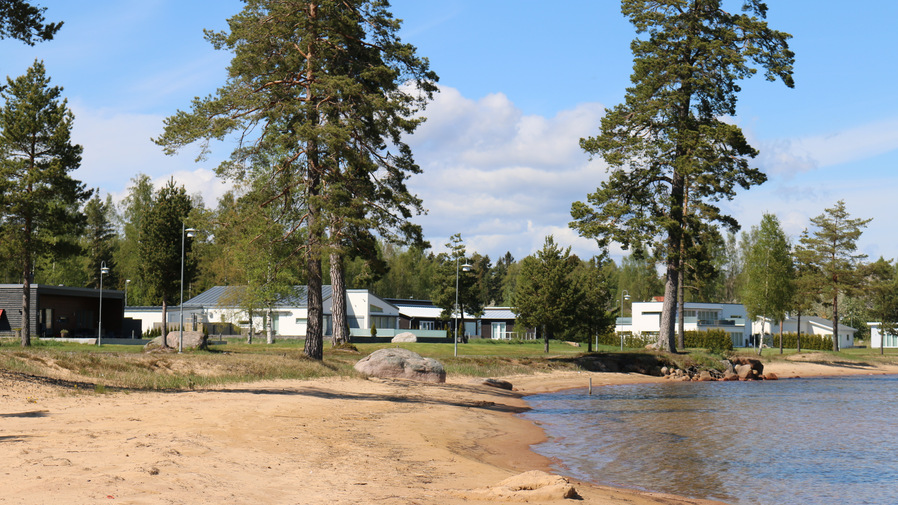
(221, 304)
(730, 317)
(810, 325)
(876, 337)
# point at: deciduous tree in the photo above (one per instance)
(668, 143)
(769, 273)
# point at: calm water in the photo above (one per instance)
(799, 441)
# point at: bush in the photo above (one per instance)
(152, 333)
(808, 342)
(716, 341)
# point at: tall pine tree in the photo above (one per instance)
(324, 90)
(668, 144)
(39, 200)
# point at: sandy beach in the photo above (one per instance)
(334, 441)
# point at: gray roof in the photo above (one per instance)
(224, 296)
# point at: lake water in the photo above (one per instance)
(797, 441)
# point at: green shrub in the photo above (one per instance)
(808, 342)
(716, 341)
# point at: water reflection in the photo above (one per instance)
(797, 441)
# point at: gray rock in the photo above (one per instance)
(496, 383)
(401, 364)
(405, 336)
(192, 340)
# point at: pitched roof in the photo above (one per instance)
(225, 296)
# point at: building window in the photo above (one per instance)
(426, 325)
(388, 322)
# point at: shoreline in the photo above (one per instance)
(335, 441)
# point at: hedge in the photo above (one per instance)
(716, 340)
(808, 342)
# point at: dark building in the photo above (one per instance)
(57, 308)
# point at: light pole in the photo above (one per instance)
(625, 295)
(190, 232)
(103, 271)
(465, 268)
(127, 281)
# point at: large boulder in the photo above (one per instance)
(405, 336)
(192, 340)
(528, 487)
(748, 368)
(400, 363)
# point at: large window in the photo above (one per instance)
(384, 322)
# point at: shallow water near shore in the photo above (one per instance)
(809, 441)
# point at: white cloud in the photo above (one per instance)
(788, 157)
(502, 179)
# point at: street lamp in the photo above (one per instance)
(190, 232)
(127, 281)
(625, 295)
(465, 268)
(103, 271)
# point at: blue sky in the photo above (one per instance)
(522, 81)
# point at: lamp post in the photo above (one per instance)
(190, 232)
(127, 281)
(103, 271)
(625, 295)
(465, 268)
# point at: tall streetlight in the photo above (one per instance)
(190, 232)
(625, 295)
(103, 271)
(465, 268)
(127, 281)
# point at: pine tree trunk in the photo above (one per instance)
(798, 332)
(546, 339)
(681, 309)
(26, 307)
(338, 309)
(781, 337)
(667, 335)
(164, 323)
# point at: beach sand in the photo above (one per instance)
(329, 441)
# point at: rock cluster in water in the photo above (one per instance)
(735, 369)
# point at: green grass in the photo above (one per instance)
(110, 367)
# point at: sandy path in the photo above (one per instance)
(333, 441)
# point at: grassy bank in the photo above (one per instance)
(122, 366)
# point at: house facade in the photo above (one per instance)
(810, 325)
(877, 336)
(222, 305)
(58, 308)
(729, 317)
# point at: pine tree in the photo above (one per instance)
(547, 296)
(322, 90)
(831, 253)
(99, 241)
(161, 235)
(39, 200)
(23, 21)
(668, 144)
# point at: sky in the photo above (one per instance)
(521, 82)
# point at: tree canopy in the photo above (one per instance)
(23, 21)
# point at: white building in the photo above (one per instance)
(810, 325)
(730, 317)
(891, 341)
(221, 304)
